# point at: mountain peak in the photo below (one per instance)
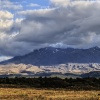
(95, 48)
(54, 56)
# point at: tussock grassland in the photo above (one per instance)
(46, 94)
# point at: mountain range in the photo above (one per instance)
(50, 61)
(54, 56)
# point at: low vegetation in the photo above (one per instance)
(72, 84)
(49, 89)
(46, 94)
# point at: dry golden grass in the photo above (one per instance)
(39, 94)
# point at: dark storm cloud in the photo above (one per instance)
(76, 25)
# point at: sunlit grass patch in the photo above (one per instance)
(46, 94)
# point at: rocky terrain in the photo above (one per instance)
(61, 69)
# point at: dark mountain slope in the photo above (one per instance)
(53, 56)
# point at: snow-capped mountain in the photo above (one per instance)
(54, 56)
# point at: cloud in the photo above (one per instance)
(63, 24)
(9, 28)
(5, 15)
(74, 25)
(7, 4)
(60, 3)
(2, 58)
(6, 21)
(34, 5)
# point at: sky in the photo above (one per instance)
(26, 25)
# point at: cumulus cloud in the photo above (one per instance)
(63, 24)
(9, 28)
(5, 15)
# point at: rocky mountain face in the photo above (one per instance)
(54, 56)
(65, 70)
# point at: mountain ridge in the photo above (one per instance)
(53, 56)
(73, 70)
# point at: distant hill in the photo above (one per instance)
(70, 70)
(95, 74)
(53, 56)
